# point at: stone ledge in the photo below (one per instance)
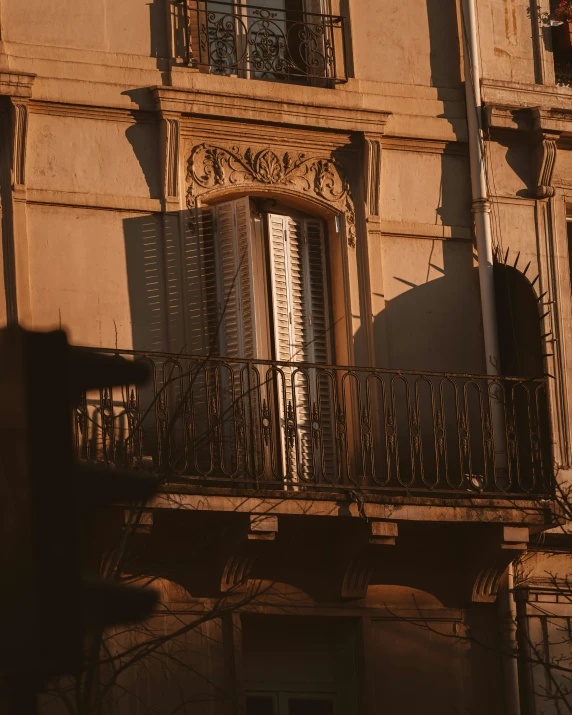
(407, 229)
(375, 506)
(307, 111)
(77, 199)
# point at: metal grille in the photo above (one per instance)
(262, 424)
(263, 42)
(563, 72)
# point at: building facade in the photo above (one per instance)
(274, 203)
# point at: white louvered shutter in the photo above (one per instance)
(238, 246)
(189, 434)
(316, 292)
(300, 307)
(200, 284)
(235, 283)
(319, 348)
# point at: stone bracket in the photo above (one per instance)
(489, 559)
(236, 571)
(357, 576)
(263, 527)
(545, 158)
(383, 533)
(359, 567)
(544, 126)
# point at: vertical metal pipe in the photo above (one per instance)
(483, 232)
(508, 625)
(481, 203)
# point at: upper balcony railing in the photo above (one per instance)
(563, 72)
(266, 425)
(263, 42)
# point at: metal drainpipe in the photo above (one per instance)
(508, 623)
(483, 232)
(481, 204)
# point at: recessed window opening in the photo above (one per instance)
(562, 49)
(299, 666)
(265, 309)
(270, 286)
(296, 41)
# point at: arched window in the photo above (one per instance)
(261, 270)
(268, 269)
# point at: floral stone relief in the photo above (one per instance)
(212, 166)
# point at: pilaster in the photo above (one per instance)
(174, 219)
(18, 88)
(376, 291)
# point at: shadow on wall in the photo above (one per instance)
(139, 136)
(166, 292)
(157, 23)
(434, 324)
(445, 51)
(146, 281)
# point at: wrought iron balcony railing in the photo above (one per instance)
(266, 425)
(563, 72)
(269, 43)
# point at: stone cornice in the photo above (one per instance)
(228, 105)
(499, 116)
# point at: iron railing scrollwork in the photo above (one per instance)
(563, 72)
(261, 424)
(227, 38)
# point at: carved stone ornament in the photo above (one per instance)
(546, 160)
(212, 166)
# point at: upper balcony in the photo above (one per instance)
(278, 40)
(257, 426)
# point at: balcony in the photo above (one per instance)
(284, 44)
(563, 71)
(262, 425)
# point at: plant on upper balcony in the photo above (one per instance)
(564, 11)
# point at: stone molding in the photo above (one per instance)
(428, 509)
(544, 126)
(321, 177)
(425, 146)
(490, 558)
(16, 84)
(372, 174)
(236, 572)
(357, 576)
(335, 114)
(20, 142)
(171, 141)
(546, 161)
